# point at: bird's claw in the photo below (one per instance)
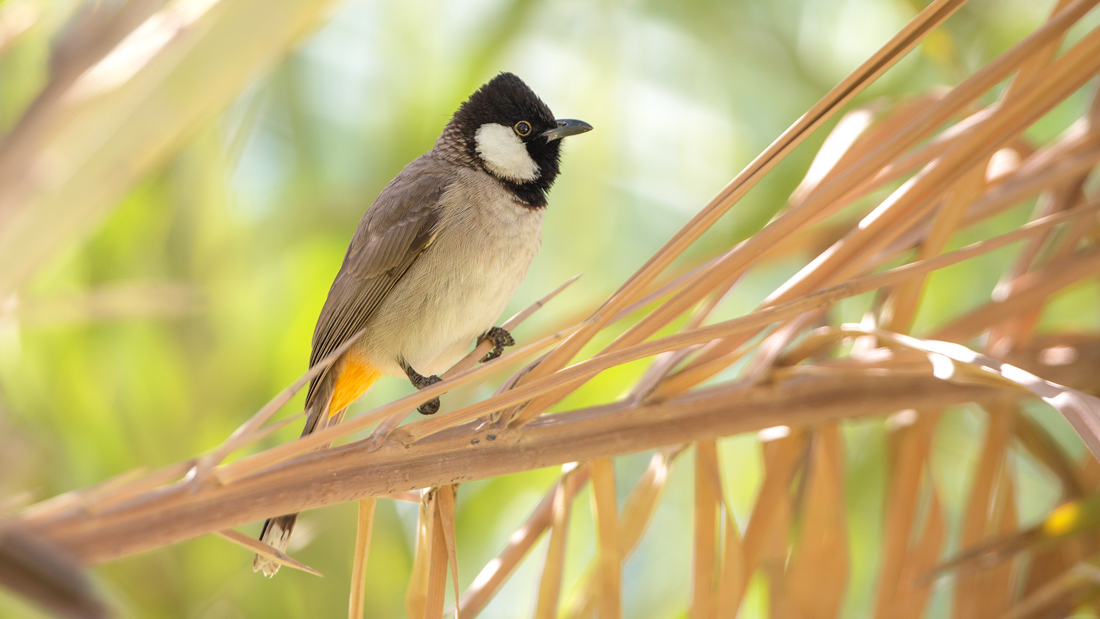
(430, 407)
(500, 338)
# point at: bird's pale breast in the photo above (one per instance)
(460, 285)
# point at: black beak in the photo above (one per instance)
(566, 127)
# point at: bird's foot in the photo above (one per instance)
(430, 407)
(500, 338)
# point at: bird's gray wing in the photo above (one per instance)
(396, 229)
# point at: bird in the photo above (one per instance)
(436, 258)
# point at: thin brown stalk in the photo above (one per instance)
(855, 180)
(416, 594)
(247, 432)
(817, 575)
(445, 504)
(546, 606)
(917, 196)
(883, 59)
(727, 591)
(1057, 199)
(606, 512)
(312, 441)
(1036, 439)
(1030, 291)
(958, 363)
(903, 491)
(1013, 190)
(998, 585)
(912, 595)
(775, 557)
(975, 527)
(264, 550)
(902, 306)
(704, 600)
(363, 529)
(1066, 75)
(494, 574)
(759, 319)
(637, 512)
(733, 569)
(780, 461)
(351, 472)
(437, 567)
(1054, 594)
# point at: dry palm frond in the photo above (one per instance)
(947, 164)
(608, 548)
(363, 531)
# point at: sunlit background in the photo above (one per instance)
(192, 303)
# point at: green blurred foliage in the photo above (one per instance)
(255, 212)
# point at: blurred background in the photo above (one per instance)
(205, 208)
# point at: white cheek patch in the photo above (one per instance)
(504, 153)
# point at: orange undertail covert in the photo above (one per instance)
(356, 376)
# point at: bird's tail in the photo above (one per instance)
(276, 531)
(351, 376)
(276, 534)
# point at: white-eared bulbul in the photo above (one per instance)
(437, 256)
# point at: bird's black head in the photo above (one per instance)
(506, 130)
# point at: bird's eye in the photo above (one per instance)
(523, 128)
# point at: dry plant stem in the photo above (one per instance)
(780, 459)
(733, 569)
(913, 596)
(1043, 447)
(283, 452)
(726, 595)
(775, 555)
(350, 472)
(497, 571)
(101, 496)
(606, 512)
(903, 302)
(664, 364)
(437, 569)
(637, 512)
(818, 570)
(363, 529)
(1030, 291)
(260, 548)
(827, 268)
(835, 190)
(950, 362)
(852, 181)
(245, 433)
(702, 335)
(996, 200)
(546, 606)
(1054, 594)
(416, 595)
(883, 59)
(975, 526)
(445, 504)
(903, 491)
(703, 596)
(759, 319)
(857, 134)
(918, 195)
(1058, 199)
